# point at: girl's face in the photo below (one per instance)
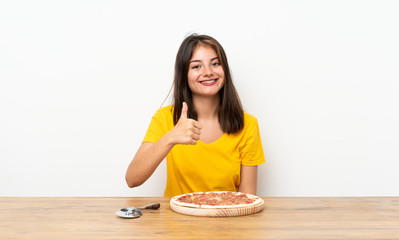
(205, 74)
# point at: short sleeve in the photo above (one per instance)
(158, 126)
(252, 152)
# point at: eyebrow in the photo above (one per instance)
(201, 61)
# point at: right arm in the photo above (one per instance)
(150, 155)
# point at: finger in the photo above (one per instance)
(197, 125)
(196, 137)
(196, 131)
(184, 111)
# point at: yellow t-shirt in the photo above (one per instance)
(207, 167)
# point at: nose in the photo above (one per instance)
(207, 71)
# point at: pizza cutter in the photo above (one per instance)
(129, 214)
(135, 212)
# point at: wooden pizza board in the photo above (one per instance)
(218, 212)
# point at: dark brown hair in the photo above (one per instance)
(231, 113)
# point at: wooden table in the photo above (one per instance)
(282, 218)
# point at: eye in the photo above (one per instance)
(196, 66)
(215, 64)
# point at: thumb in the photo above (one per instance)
(184, 111)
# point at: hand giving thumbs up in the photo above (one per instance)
(187, 130)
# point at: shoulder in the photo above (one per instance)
(249, 119)
(250, 123)
(163, 118)
(165, 115)
(165, 111)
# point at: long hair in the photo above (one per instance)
(230, 113)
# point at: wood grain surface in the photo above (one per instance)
(282, 218)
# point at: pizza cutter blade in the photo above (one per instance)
(132, 213)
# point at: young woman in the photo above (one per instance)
(210, 144)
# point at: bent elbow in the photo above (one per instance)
(131, 182)
(130, 185)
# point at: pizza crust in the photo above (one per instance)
(219, 210)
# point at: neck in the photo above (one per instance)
(206, 107)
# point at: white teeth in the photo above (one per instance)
(210, 81)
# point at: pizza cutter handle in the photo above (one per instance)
(151, 206)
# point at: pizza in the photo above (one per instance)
(216, 200)
(217, 204)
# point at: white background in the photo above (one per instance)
(80, 81)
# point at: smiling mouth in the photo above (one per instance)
(209, 82)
